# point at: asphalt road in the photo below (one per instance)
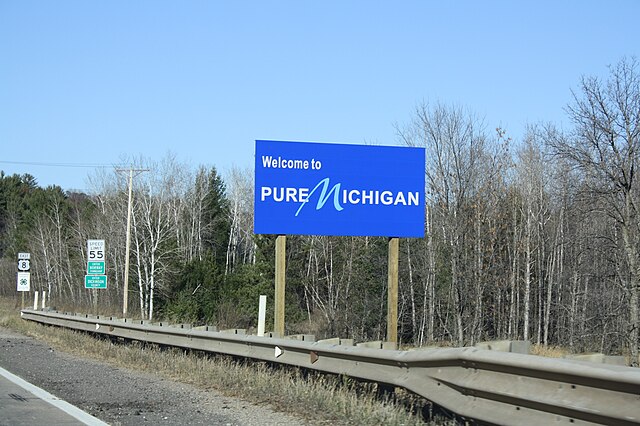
(123, 397)
(23, 404)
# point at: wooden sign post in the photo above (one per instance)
(392, 291)
(281, 247)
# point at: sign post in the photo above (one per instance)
(392, 291)
(281, 248)
(339, 190)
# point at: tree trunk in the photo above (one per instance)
(634, 300)
(631, 288)
(457, 300)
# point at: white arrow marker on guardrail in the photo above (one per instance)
(278, 351)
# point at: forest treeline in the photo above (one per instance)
(535, 239)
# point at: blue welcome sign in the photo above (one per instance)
(336, 189)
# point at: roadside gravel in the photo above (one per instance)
(124, 397)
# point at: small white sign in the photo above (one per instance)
(25, 256)
(95, 249)
(24, 281)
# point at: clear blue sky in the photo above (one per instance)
(91, 82)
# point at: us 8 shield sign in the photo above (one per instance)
(24, 265)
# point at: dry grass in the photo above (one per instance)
(549, 351)
(321, 399)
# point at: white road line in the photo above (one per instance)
(72, 410)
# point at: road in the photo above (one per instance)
(123, 397)
(23, 404)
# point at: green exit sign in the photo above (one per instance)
(95, 281)
(95, 267)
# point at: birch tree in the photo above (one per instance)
(455, 143)
(535, 215)
(159, 194)
(241, 247)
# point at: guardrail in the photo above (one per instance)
(476, 384)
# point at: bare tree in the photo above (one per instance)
(535, 215)
(605, 147)
(241, 247)
(53, 245)
(455, 143)
(160, 194)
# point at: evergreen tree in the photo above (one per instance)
(16, 192)
(216, 218)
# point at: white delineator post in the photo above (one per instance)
(262, 314)
(35, 300)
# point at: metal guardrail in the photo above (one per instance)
(476, 384)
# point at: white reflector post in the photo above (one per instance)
(262, 314)
(35, 300)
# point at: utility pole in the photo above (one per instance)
(125, 301)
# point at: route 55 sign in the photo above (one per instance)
(95, 249)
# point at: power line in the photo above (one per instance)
(79, 165)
